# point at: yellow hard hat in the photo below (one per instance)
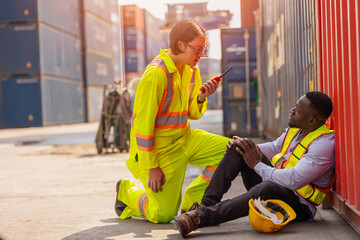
(270, 215)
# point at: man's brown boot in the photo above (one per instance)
(188, 222)
(196, 205)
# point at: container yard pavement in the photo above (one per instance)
(55, 186)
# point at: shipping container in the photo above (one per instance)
(152, 24)
(115, 20)
(238, 49)
(339, 73)
(234, 41)
(62, 101)
(95, 100)
(50, 12)
(33, 101)
(101, 8)
(20, 102)
(133, 16)
(287, 60)
(247, 12)
(210, 68)
(28, 49)
(134, 39)
(134, 61)
(98, 33)
(99, 69)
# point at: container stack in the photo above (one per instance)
(134, 41)
(116, 32)
(40, 69)
(97, 53)
(209, 68)
(154, 37)
(239, 96)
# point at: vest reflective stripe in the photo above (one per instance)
(162, 122)
(207, 173)
(192, 85)
(309, 192)
(143, 200)
(144, 142)
(165, 119)
(169, 92)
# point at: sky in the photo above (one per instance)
(159, 7)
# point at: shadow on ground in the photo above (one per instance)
(124, 229)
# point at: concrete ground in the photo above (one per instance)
(55, 186)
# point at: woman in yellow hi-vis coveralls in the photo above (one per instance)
(162, 142)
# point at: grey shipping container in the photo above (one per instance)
(95, 101)
(62, 101)
(28, 49)
(50, 12)
(99, 69)
(32, 101)
(238, 49)
(101, 8)
(287, 69)
(98, 34)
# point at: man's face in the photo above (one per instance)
(301, 114)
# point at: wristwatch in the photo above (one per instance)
(198, 101)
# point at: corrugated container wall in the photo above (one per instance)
(50, 12)
(97, 52)
(339, 69)
(134, 41)
(238, 50)
(39, 46)
(288, 62)
(117, 44)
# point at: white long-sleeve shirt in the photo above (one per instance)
(317, 166)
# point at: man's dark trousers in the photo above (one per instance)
(217, 211)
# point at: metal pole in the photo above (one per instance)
(248, 106)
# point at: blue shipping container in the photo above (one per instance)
(239, 105)
(238, 71)
(233, 44)
(98, 34)
(134, 38)
(134, 61)
(99, 69)
(235, 118)
(50, 12)
(32, 50)
(39, 101)
(20, 102)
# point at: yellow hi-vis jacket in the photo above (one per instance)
(163, 104)
(310, 192)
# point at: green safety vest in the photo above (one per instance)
(310, 192)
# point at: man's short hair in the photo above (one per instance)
(185, 30)
(321, 102)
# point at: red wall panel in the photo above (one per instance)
(339, 75)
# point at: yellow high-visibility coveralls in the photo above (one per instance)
(161, 137)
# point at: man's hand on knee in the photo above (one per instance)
(249, 151)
